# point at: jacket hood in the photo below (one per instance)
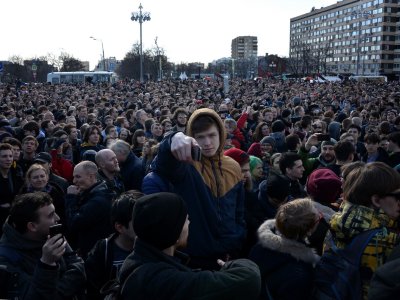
(14, 239)
(218, 121)
(276, 242)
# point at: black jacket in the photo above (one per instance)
(286, 266)
(35, 280)
(132, 172)
(88, 216)
(151, 274)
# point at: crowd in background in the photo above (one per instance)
(96, 149)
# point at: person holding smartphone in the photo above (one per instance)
(38, 265)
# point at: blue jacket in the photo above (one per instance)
(132, 172)
(213, 191)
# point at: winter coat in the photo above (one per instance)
(213, 191)
(132, 172)
(34, 279)
(61, 166)
(353, 219)
(286, 266)
(149, 273)
(88, 216)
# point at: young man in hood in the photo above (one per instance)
(211, 187)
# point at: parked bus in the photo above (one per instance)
(81, 76)
(371, 78)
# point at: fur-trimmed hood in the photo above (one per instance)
(276, 242)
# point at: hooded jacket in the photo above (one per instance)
(88, 215)
(36, 280)
(286, 266)
(213, 191)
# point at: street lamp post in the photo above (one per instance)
(141, 17)
(360, 14)
(159, 59)
(102, 51)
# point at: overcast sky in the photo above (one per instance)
(188, 30)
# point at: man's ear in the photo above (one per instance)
(376, 201)
(118, 227)
(31, 226)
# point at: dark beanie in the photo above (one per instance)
(158, 219)
(278, 126)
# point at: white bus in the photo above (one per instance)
(369, 78)
(81, 76)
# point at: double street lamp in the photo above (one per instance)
(102, 50)
(141, 17)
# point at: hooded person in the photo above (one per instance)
(211, 187)
(161, 224)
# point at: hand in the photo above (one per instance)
(53, 249)
(181, 147)
(312, 141)
(73, 189)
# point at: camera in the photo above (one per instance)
(196, 153)
(323, 137)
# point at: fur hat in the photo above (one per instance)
(158, 219)
(324, 186)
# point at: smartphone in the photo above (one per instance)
(56, 229)
(196, 153)
(324, 137)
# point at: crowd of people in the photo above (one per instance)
(191, 189)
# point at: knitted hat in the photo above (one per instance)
(324, 186)
(239, 155)
(328, 143)
(278, 187)
(255, 150)
(254, 161)
(158, 219)
(268, 140)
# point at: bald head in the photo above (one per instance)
(106, 160)
(85, 175)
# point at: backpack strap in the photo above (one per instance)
(358, 244)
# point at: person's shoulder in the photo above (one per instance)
(230, 163)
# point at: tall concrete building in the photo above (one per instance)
(361, 37)
(244, 47)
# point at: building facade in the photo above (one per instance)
(244, 47)
(350, 37)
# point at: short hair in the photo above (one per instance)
(68, 128)
(355, 126)
(121, 146)
(292, 140)
(25, 209)
(32, 126)
(343, 149)
(5, 146)
(88, 166)
(372, 138)
(295, 218)
(368, 180)
(30, 138)
(345, 135)
(395, 138)
(287, 161)
(108, 128)
(34, 168)
(12, 141)
(202, 123)
(121, 211)
(148, 124)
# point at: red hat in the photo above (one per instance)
(239, 155)
(255, 150)
(324, 186)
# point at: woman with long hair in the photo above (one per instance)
(91, 140)
(262, 130)
(138, 141)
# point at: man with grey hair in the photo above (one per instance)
(132, 170)
(88, 207)
(108, 165)
(141, 117)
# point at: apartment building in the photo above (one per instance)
(359, 37)
(244, 47)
